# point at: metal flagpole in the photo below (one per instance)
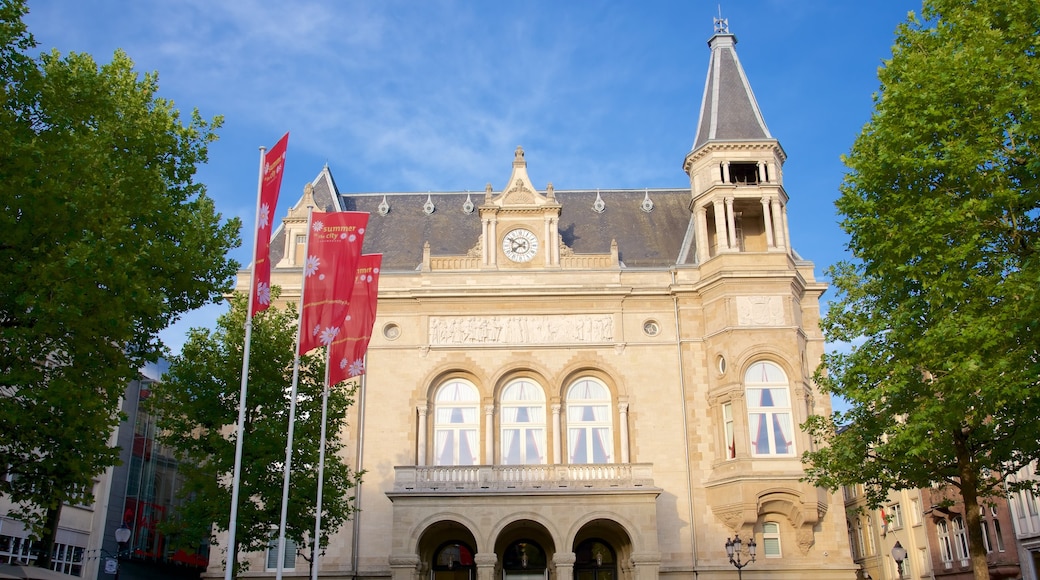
(292, 417)
(232, 553)
(321, 467)
(356, 540)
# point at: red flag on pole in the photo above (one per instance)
(333, 249)
(347, 352)
(271, 183)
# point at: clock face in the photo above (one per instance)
(520, 245)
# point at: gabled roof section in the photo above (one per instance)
(729, 111)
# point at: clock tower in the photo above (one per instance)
(519, 225)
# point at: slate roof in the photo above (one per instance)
(645, 239)
(729, 111)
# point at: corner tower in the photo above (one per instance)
(735, 164)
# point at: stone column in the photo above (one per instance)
(485, 565)
(700, 217)
(564, 562)
(720, 226)
(492, 243)
(725, 172)
(730, 224)
(623, 412)
(489, 434)
(763, 177)
(557, 436)
(487, 241)
(767, 223)
(420, 446)
(778, 224)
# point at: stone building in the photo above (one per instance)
(587, 384)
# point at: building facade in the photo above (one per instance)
(1025, 514)
(587, 384)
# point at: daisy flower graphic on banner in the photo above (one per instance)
(263, 293)
(357, 367)
(329, 334)
(318, 226)
(265, 216)
(312, 265)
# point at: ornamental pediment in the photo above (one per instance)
(519, 192)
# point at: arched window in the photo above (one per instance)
(590, 433)
(961, 536)
(945, 548)
(456, 424)
(524, 560)
(523, 424)
(594, 559)
(769, 410)
(453, 561)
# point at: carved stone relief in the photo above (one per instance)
(760, 311)
(549, 329)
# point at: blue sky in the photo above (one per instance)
(435, 95)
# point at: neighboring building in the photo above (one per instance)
(947, 532)
(934, 536)
(140, 492)
(144, 493)
(587, 383)
(873, 535)
(1025, 513)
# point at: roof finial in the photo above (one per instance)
(721, 24)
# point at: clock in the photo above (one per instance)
(520, 245)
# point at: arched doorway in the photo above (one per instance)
(594, 559)
(524, 560)
(453, 560)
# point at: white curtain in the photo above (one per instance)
(470, 436)
(575, 438)
(509, 455)
(602, 435)
(442, 438)
(783, 421)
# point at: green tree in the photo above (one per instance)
(107, 239)
(197, 405)
(941, 203)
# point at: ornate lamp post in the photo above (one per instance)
(899, 554)
(733, 550)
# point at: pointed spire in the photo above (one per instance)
(729, 111)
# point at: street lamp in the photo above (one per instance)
(899, 554)
(733, 550)
(122, 535)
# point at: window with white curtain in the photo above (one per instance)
(590, 433)
(727, 431)
(769, 410)
(456, 424)
(522, 422)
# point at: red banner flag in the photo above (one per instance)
(271, 183)
(333, 249)
(347, 352)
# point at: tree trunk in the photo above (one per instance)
(969, 480)
(50, 535)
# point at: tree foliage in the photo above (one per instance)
(942, 205)
(197, 405)
(107, 239)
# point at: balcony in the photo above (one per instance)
(480, 479)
